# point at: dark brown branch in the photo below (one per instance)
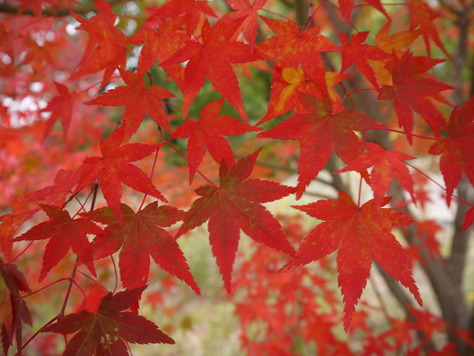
(448, 293)
(52, 11)
(301, 10)
(405, 302)
(459, 240)
(460, 56)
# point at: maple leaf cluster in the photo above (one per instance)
(115, 157)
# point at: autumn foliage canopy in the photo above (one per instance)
(130, 128)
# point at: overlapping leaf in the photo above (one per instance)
(249, 13)
(292, 47)
(291, 86)
(422, 16)
(387, 164)
(208, 132)
(159, 44)
(360, 236)
(64, 233)
(468, 219)
(14, 311)
(410, 92)
(139, 237)
(61, 107)
(139, 101)
(457, 150)
(212, 58)
(346, 7)
(237, 205)
(64, 182)
(113, 169)
(106, 49)
(320, 132)
(355, 50)
(189, 12)
(106, 331)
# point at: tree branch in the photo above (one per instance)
(460, 56)
(459, 241)
(405, 302)
(53, 11)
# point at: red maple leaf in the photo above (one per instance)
(106, 331)
(14, 311)
(208, 132)
(378, 5)
(160, 43)
(93, 298)
(457, 150)
(139, 236)
(212, 57)
(468, 219)
(249, 13)
(291, 86)
(426, 231)
(234, 205)
(113, 169)
(106, 49)
(423, 15)
(346, 7)
(394, 42)
(292, 46)
(410, 89)
(427, 323)
(62, 106)
(358, 52)
(55, 194)
(387, 164)
(138, 99)
(36, 6)
(64, 233)
(320, 132)
(190, 12)
(360, 235)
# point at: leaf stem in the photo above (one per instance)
(68, 292)
(177, 108)
(73, 273)
(191, 165)
(151, 176)
(359, 194)
(404, 132)
(438, 184)
(85, 201)
(115, 273)
(36, 333)
(360, 179)
(311, 16)
(97, 83)
(21, 253)
(346, 95)
(87, 276)
(274, 13)
(47, 286)
(79, 287)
